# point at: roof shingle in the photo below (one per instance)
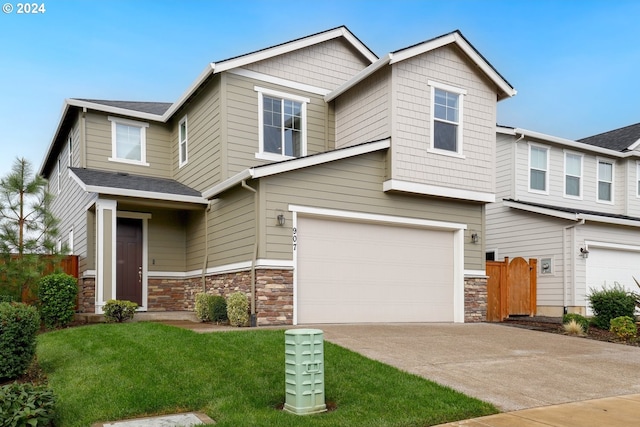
(617, 139)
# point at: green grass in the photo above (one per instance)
(116, 371)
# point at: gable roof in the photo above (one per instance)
(623, 139)
(573, 214)
(455, 37)
(269, 169)
(156, 108)
(125, 184)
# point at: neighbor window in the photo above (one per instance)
(538, 167)
(638, 179)
(128, 139)
(182, 141)
(282, 119)
(446, 107)
(572, 175)
(605, 181)
(59, 174)
(70, 153)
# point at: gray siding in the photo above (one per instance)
(167, 241)
(355, 184)
(412, 117)
(325, 65)
(363, 113)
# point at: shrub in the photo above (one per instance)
(57, 294)
(6, 298)
(238, 309)
(203, 307)
(624, 327)
(572, 327)
(219, 309)
(20, 323)
(579, 319)
(25, 404)
(119, 311)
(610, 303)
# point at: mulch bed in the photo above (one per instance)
(554, 325)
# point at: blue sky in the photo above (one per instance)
(575, 64)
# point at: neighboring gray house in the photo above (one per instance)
(327, 184)
(573, 205)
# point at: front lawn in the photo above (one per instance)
(115, 371)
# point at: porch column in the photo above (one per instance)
(106, 215)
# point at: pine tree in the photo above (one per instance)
(27, 229)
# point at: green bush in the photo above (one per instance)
(624, 327)
(238, 309)
(119, 311)
(25, 404)
(203, 307)
(610, 303)
(6, 298)
(57, 294)
(579, 319)
(219, 309)
(19, 324)
(211, 308)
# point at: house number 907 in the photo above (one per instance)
(295, 238)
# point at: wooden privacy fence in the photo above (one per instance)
(511, 288)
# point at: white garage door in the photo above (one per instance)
(349, 272)
(607, 266)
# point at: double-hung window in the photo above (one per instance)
(538, 168)
(282, 120)
(573, 175)
(446, 120)
(182, 142)
(128, 140)
(605, 181)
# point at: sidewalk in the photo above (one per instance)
(620, 411)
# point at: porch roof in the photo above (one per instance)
(574, 214)
(130, 185)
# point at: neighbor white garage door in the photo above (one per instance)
(605, 267)
(350, 272)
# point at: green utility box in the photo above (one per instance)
(304, 371)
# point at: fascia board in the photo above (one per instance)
(634, 145)
(358, 77)
(209, 69)
(63, 113)
(227, 184)
(609, 220)
(123, 192)
(542, 211)
(573, 144)
(115, 110)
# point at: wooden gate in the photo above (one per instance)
(511, 288)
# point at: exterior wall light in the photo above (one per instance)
(584, 252)
(475, 238)
(281, 219)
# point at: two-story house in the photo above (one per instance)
(572, 205)
(326, 183)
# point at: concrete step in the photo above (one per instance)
(143, 316)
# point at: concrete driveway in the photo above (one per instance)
(510, 367)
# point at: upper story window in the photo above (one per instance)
(182, 141)
(283, 124)
(538, 169)
(446, 120)
(70, 152)
(128, 140)
(605, 181)
(573, 175)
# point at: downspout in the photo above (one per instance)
(572, 269)
(514, 187)
(255, 252)
(205, 261)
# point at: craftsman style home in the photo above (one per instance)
(326, 183)
(572, 205)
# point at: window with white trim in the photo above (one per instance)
(183, 142)
(283, 124)
(446, 118)
(128, 140)
(605, 181)
(538, 168)
(573, 175)
(70, 152)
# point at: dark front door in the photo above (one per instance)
(129, 259)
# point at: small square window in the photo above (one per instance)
(128, 139)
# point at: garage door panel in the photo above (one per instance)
(358, 272)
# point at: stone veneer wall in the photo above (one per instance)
(87, 295)
(475, 299)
